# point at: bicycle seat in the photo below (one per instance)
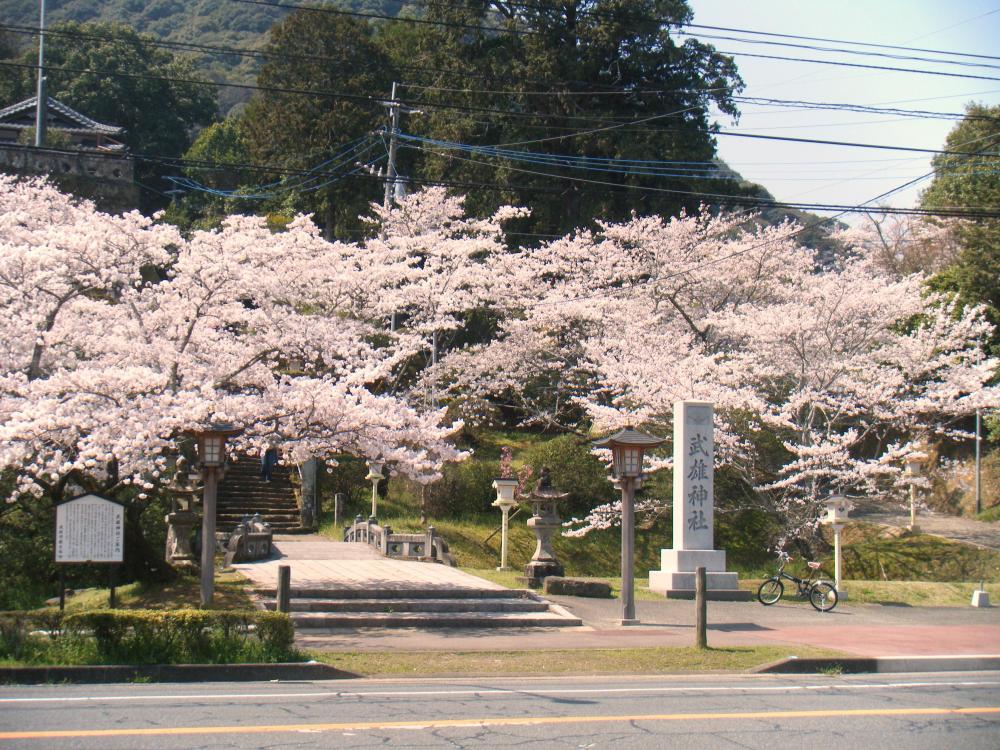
(815, 565)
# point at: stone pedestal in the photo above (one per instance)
(545, 523)
(694, 513)
(180, 532)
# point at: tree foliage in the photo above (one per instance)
(322, 52)
(596, 78)
(972, 182)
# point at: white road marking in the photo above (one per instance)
(687, 689)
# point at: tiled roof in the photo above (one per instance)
(81, 121)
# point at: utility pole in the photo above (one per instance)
(979, 478)
(40, 108)
(390, 170)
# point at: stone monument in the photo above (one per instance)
(545, 523)
(694, 506)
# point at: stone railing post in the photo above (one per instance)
(429, 543)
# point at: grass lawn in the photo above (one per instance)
(552, 662)
(183, 593)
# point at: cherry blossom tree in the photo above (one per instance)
(431, 265)
(108, 363)
(846, 366)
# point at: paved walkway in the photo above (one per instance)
(316, 562)
(859, 629)
(959, 528)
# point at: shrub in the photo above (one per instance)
(146, 637)
(573, 469)
(464, 489)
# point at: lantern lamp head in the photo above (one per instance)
(212, 443)
(375, 470)
(627, 448)
(915, 463)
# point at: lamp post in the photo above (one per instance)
(374, 476)
(914, 465)
(505, 487)
(627, 447)
(212, 459)
(838, 508)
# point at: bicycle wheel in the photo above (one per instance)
(823, 596)
(770, 591)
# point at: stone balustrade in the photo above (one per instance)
(425, 547)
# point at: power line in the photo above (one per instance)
(841, 50)
(839, 41)
(841, 64)
(760, 202)
(260, 53)
(492, 110)
(384, 17)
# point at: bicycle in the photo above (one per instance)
(821, 594)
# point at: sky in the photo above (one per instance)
(843, 175)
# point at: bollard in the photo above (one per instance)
(284, 588)
(701, 609)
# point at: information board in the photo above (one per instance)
(89, 528)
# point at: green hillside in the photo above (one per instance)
(219, 23)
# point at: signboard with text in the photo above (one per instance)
(90, 528)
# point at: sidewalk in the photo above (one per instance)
(869, 630)
(858, 629)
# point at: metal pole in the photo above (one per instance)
(628, 538)
(208, 536)
(979, 476)
(390, 170)
(700, 607)
(40, 108)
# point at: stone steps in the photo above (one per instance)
(432, 620)
(419, 607)
(243, 493)
(397, 606)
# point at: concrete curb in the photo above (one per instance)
(866, 665)
(172, 673)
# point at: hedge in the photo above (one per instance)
(186, 636)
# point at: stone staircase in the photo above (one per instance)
(242, 492)
(330, 608)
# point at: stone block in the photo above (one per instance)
(980, 598)
(661, 581)
(576, 587)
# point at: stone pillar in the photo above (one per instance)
(309, 510)
(694, 506)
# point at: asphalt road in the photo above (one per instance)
(943, 710)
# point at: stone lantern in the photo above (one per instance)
(545, 523)
(182, 519)
(375, 476)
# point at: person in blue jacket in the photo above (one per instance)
(268, 462)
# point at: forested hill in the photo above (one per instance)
(225, 23)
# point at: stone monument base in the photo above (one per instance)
(676, 578)
(536, 571)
